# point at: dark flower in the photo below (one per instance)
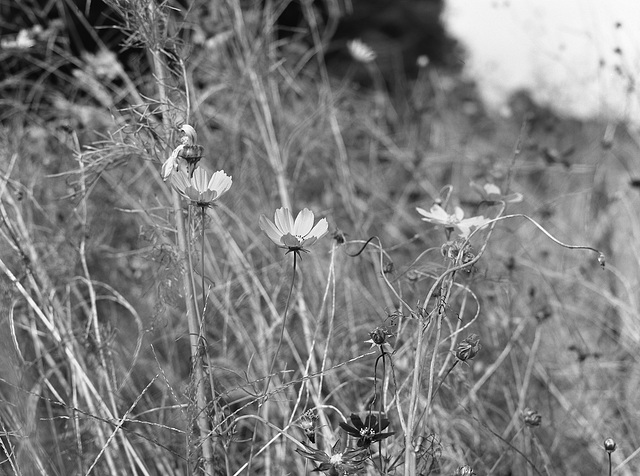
(349, 461)
(367, 431)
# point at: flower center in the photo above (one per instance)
(336, 458)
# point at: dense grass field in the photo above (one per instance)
(150, 326)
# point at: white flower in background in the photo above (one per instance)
(24, 40)
(464, 226)
(360, 51)
(492, 193)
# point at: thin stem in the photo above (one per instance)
(284, 323)
(202, 263)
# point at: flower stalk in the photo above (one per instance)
(189, 294)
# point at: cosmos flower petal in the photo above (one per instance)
(220, 182)
(171, 164)
(291, 241)
(320, 229)
(458, 214)
(492, 189)
(308, 242)
(435, 215)
(270, 229)
(200, 179)
(513, 198)
(190, 136)
(284, 220)
(207, 196)
(180, 180)
(357, 421)
(465, 226)
(303, 223)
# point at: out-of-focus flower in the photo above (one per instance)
(186, 155)
(295, 236)
(438, 216)
(360, 51)
(531, 417)
(368, 431)
(103, 65)
(23, 41)
(338, 463)
(201, 189)
(468, 348)
(422, 61)
(610, 445)
(491, 193)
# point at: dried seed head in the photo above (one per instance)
(379, 336)
(531, 417)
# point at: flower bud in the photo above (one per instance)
(610, 445)
(468, 348)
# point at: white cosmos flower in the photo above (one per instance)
(293, 235)
(201, 189)
(438, 216)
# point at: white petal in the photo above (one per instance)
(200, 179)
(458, 214)
(284, 220)
(439, 214)
(270, 229)
(220, 182)
(171, 164)
(320, 229)
(190, 135)
(168, 167)
(492, 189)
(303, 223)
(180, 180)
(424, 213)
